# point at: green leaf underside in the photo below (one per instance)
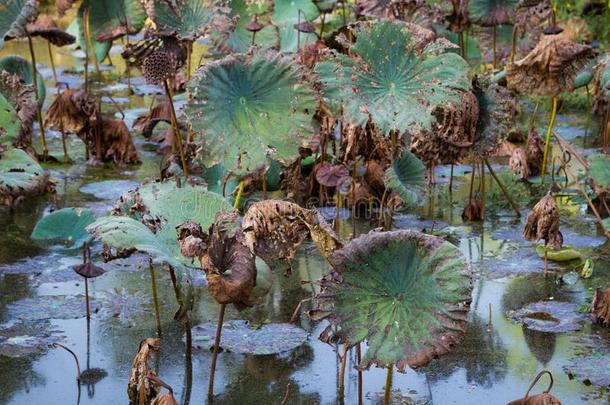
(393, 296)
(76, 28)
(250, 109)
(118, 17)
(14, 16)
(286, 14)
(10, 124)
(193, 17)
(21, 67)
(20, 174)
(604, 77)
(390, 81)
(406, 176)
(67, 225)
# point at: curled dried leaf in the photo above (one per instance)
(145, 124)
(141, 389)
(534, 151)
(46, 27)
(550, 68)
(518, 164)
(165, 399)
(543, 223)
(600, 308)
(72, 111)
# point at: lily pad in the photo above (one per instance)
(550, 316)
(49, 307)
(19, 339)
(240, 337)
(109, 189)
(20, 175)
(66, 225)
(566, 253)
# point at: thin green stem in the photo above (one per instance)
(215, 353)
(547, 141)
(388, 385)
(153, 282)
(240, 191)
(177, 136)
(43, 141)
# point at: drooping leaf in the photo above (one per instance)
(141, 388)
(16, 65)
(543, 223)
(406, 176)
(404, 293)
(112, 19)
(14, 17)
(77, 29)
(20, 176)
(187, 19)
(239, 39)
(67, 225)
(286, 15)
(239, 337)
(45, 27)
(488, 13)
(397, 86)
(250, 108)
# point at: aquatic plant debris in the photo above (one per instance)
(240, 337)
(49, 307)
(549, 316)
(19, 339)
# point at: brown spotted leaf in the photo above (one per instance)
(543, 223)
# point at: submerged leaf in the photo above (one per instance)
(404, 293)
(250, 108)
(67, 225)
(550, 316)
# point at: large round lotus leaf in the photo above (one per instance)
(16, 65)
(492, 12)
(76, 29)
(286, 15)
(250, 108)
(240, 39)
(550, 316)
(49, 307)
(566, 253)
(406, 176)
(111, 19)
(600, 170)
(189, 20)
(10, 124)
(215, 176)
(404, 293)
(66, 225)
(20, 175)
(14, 17)
(390, 81)
(26, 338)
(240, 337)
(108, 189)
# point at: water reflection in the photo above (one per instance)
(541, 344)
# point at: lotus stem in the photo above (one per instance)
(502, 187)
(128, 70)
(286, 395)
(605, 125)
(587, 117)
(358, 359)
(489, 321)
(388, 385)
(471, 183)
(64, 145)
(43, 141)
(451, 179)
(494, 47)
(177, 136)
(547, 141)
(52, 62)
(189, 56)
(264, 181)
(342, 372)
(482, 188)
(240, 191)
(88, 39)
(215, 352)
(353, 211)
(513, 47)
(73, 355)
(87, 298)
(546, 260)
(253, 38)
(298, 31)
(322, 24)
(153, 283)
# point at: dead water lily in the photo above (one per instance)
(600, 308)
(543, 223)
(141, 388)
(45, 27)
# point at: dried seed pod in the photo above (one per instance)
(159, 66)
(543, 223)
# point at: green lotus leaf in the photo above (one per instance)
(66, 225)
(488, 13)
(173, 206)
(215, 177)
(600, 170)
(583, 78)
(404, 293)
(111, 19)
(10, 124)
(396, 86)
(406, 176)
(566, 253)
(76, 29)
(16, 65)
(286, 15)
(240, 39)
(188, 20)
(20, 175)
(250, 108)
(604, 77)
(14, 17)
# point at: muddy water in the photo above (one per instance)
(41, 301)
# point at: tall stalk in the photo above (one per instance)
(342, 372)
(215, 352)
(177, 136)
(153, 282)
(43, 141)
(388, 385)
(52, 62)
(494, 34)
(547, 141)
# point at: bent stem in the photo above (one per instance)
(52, 62)
(215, 353)
(342, 372)
(73, 355)
(153, 282)
(388, 385)
(547, 141)
(43, 141)
(177, 136)
(502, 187)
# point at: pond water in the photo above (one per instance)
(41, 302)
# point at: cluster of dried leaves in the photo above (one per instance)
(144, 385)
(543, 223)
